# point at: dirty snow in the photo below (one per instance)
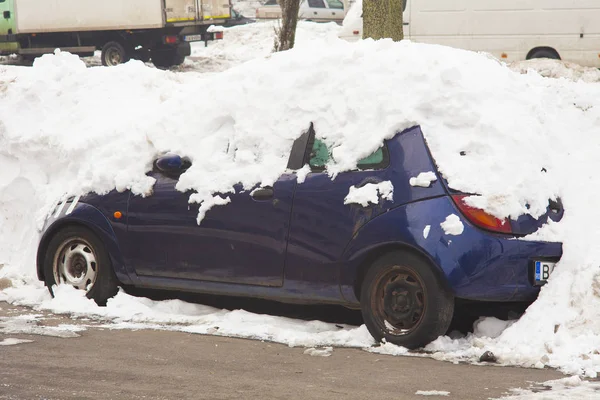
(319, 352)
(13, 341)
(432, 393)
(517, 139)
(452, 225)
(572, 388)
(371, 193)
(424, 179)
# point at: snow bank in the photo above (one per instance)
(517, 139)
(559, 389)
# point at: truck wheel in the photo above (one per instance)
(76, 256)
(166, 58)
(113, 53)
(544, 53)
(404, 302)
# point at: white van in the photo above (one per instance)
(511, 30)
(310, 10)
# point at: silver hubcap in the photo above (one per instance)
(75, 264)
(113, 57)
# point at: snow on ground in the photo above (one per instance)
(432, 393)
(557, 69)
(561, 389)
(517, 139)
(13, 341)
(371, 193)
(248, 42)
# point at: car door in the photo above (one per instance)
(240, 242)
(335, 10)
(314, 10)
(321, 224)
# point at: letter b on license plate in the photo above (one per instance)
(542, 271)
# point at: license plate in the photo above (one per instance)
(192, 38)
(542, 271)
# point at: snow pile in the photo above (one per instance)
(557, 69)
(13, 341)
(518, 140)
(424, 179)
(128, 312)
(452, 225)
(371, 193)
(248, 42)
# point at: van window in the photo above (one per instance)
(337, 4)
(271, 3)
(320, 156)
(316, 4)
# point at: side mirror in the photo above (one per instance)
(169, 164)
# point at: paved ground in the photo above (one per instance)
(170, 365)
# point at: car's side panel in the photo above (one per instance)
(476, 265)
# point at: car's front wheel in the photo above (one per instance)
(76, 256)
(404, 302)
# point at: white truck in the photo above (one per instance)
(511, 30)
(157, 30)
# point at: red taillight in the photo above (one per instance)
(480, 218)
(356, 32)
(218, 35)
(171, 39)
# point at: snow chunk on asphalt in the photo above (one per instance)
(319, 352)
(424, 179)
(452, 225)
(13, 341)
(432, 393)
(371, 193)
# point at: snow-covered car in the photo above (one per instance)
(309, 240)
(310, 10)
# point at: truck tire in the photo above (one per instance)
(114, 53)
(166, 58)
(544, 53)
(404, 302)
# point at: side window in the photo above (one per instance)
(320, 155)
(316, 4)
(404, 5)
(271, 3)
(337, 4)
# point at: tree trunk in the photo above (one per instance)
(286, 32)
(383, 19)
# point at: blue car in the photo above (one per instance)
(299, 243)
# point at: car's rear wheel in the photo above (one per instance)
(404, 302)
(76, 256)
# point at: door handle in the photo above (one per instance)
(368, 180)
(265, 193)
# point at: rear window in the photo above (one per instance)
(337, 4)
(320, 155)
(271, 3)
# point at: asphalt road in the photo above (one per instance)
(123, 364)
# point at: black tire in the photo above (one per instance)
(404, 302)
(114, 53)
(544, 53)
(81, 252)
(166, 58)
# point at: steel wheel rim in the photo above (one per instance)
(75, 264)
(399, 300)
(113, 57)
